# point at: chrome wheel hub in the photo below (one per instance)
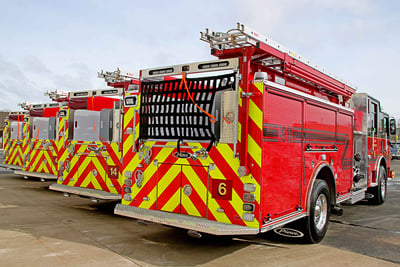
(383, 187)
(320, 212)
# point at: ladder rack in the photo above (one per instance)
(276, 57)
(25, 105)
(115, 76)
(57, 95)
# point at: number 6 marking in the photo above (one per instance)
(222, 189)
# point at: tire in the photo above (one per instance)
(316, 224)
(380, 190)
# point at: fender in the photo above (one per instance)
(376, 169)
(314, 176)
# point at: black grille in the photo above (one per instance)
(167, 112)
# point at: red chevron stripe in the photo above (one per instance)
(82, 176)
(230, 212)
(168, 192)
(152, 183)
(194, 197)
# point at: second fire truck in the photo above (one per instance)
(90, 130)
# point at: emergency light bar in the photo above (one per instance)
(99, 92)
(206, 66)
(48, 105)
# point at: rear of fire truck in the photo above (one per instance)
(40, 128)
(245, 144)
(182, 141)
(15, 142)
(89, 158)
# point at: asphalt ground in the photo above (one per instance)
(39, 227)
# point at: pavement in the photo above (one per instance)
(39, 227)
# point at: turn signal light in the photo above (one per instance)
(249, 187)
(127, 190)
(248, 207)
(248, 217)
(249, 197)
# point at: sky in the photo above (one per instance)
(48, 45)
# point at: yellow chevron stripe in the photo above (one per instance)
(171, 174)
(255, 114)
(101, 172)
(86, 180)
(260, 87)
(189, 206)
(240, 98)
(173, 202)
(128, 116)
(254, 150)
(128, 143)
(198, 185)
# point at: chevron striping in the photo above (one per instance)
(172, 202)
(255, 114)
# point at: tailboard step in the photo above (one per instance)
(85, 192)
(9, 166)
(184, 221)
(41, 175)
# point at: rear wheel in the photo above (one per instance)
(380, 190)
(316, 224)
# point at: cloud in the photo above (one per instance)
(29, 80)
(14, 85)
(34, 65)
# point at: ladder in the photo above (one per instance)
(275, 56)
(25, 105)
(115, 76)
(57, 95)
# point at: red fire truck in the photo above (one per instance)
(90, 142)
(15, 142)
(40, 129)
(250, 142)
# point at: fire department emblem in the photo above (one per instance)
(187, 190)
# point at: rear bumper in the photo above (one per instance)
(85, 192)
(184, 221)
(41, 175)
(9, 166)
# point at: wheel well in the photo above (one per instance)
(326, 174)
(383, 163)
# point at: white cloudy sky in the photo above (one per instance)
(62, 44)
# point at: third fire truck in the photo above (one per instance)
(250, 142)
(90, 130)
(40, 159)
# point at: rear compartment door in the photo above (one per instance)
(92, 172)
(182, 189)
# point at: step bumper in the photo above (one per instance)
(184, 221)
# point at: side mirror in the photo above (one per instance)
(392, 127)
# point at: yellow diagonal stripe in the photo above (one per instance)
(173, 202)
(254, 151)
(255, 114)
